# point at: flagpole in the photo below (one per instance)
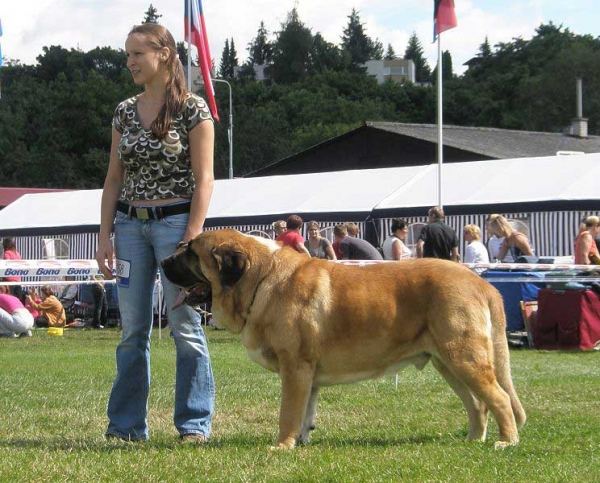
(440, 150)
(189, 44)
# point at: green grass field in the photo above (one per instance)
(54, 393)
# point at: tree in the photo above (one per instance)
(228, 60)
(357, 46)
(389, 53)
(324, 55)
(224, 65)
(485, 50)
(447, 71)
(291, 50)
(151, 15)
(414, 51)
(260, 50)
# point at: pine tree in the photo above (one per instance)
(485, 50)
(291, 52)
(233, 60)
(389, 53)
(414, 52)
(357, 46)
(225, 56)
(260, 50)
(447, 70)
(151, 15)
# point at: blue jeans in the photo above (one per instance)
(139, 246)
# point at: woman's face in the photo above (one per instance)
(143, 61)
(313, 233)
(468, 237)
(402, 232)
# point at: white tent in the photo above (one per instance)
(506, 185)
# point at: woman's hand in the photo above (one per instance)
(104, 257)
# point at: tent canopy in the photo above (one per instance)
(531, 184)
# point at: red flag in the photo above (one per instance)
(200, 40)
(444, 17)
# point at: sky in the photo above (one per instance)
(86, 24)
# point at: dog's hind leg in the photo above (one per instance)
(477, 372)
(477, 411)
(308, 423)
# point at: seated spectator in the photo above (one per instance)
(394, 247)
(585, 251)
(69, 293)
(36, 298)
(279, 227)
(292, 237)
(493, 242)
(354, 248)
(100, 303)
(476, 251)
(15, 319)
(352, 229)
(318, 246)
(52, 311)
(11, 253)
(515, 243)
(437, 239)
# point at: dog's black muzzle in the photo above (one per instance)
(178, 269)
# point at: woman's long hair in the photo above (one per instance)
(158, 37)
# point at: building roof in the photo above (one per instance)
(461, 143)
(8, 195)
(493, 142)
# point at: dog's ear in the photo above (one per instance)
(232, 264)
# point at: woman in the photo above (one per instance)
(52, 313)
(585, 249)
(476, 251)
(394, 247)
(515, 243)
(15, 319)
(157, 191)
(11, 253)
(318, 246)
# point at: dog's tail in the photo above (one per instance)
(502, 356)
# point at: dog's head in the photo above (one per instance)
(210, 258)
(182, 268)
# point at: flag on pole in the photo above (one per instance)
(200, 40)
(444, 17)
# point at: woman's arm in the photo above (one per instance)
(202, 144)
(110, 194)
(396, 249)
(330, 252)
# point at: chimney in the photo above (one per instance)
(579, 124)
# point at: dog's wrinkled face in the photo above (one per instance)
(225, 262)
(182, 268)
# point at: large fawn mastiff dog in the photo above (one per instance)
(318, 323)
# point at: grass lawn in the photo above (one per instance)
(54, 392)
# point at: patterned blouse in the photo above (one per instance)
(157, 168)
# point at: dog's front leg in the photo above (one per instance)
(296, 383)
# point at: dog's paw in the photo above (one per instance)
(287, 443)
(500, 445)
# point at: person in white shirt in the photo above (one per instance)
(476, 251)
(394, 247)
(493, 243)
